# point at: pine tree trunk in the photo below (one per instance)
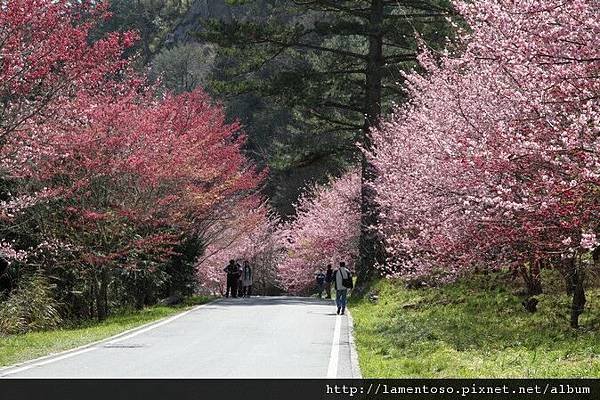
(368, 243)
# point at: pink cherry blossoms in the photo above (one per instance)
(495, 160)
(325, 231)
(247, 232)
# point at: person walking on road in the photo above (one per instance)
(240, 287)
(342, 279)
(320, 278)
(233, 274)
(328, 280)
(247, 280)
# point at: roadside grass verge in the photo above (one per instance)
(18, 348)
(473, 329)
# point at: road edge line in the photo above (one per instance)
(49, 358)
(332, 368)
(354, 363)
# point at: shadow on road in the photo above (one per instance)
(274, 300)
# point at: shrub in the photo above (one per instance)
(30, 307)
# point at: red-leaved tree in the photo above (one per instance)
(125, 174)
(46, 59)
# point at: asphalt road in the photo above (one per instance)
(272, 337)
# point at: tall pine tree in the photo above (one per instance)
(337, 65)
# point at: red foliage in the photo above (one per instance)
(132, 170)
(46, 58)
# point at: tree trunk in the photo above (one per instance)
(139, 300)
(91, 299)
(575, 277)
(532, 278)
(566, 273)
(577, 306)
(368, 243)
(140, 293)
(102, 294)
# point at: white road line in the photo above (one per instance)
(39, 364)
(93, 346)
(335, 349)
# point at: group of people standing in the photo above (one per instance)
(239, 279)
(341, 279)
(239, 282)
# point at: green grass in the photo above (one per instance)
(19, 348)
(475, 328)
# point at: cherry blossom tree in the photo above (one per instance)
(45, 60)
(125, 174)
(324, 231)
(247, 231)
(494, 160)
(138, 173)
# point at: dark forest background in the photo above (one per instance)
(292, 72)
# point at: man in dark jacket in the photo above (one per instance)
(233, 275)
(328, 280)
(342, 280)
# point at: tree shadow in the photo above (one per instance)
(272, 301)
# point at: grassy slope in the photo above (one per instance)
(18, 348)
(475, 328)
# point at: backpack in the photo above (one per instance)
(347, 281)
